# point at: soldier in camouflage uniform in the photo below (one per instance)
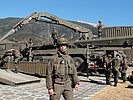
(55, 35)
(16, 56)
(5, 58)
(100, 29)
(29, 47)
(116, 68)
(123, 68)
(61, 73)
(108, 68)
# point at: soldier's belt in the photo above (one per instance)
(62, 83)
(62, 79)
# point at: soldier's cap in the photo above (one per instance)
(62, 41)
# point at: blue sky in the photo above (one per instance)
(111, 12)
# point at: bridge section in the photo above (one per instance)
(11, 78)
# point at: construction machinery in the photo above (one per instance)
(83, 51)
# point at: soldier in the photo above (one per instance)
(124, 67)
(17, 57)
(108, 68)
(29, 46)
(61, 73)
(55, 35)
(116, 67)
(100, 29)
(6, 57)
(84, 36)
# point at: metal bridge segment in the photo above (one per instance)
(9, 77)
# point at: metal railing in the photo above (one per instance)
(122, 31)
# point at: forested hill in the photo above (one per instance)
(40, 32)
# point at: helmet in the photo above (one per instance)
(62, 41)
(118, 54)
(100, 21)
(11, 50)
(124, 56)
(109, 55)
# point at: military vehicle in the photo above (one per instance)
(83, 51)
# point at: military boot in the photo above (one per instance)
(124, 81)
(115, 84)
(108, 83)
(16, 70)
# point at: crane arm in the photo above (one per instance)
(53, 19)
(59, 21)
(18, 26)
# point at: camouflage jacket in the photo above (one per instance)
(116, 63)
(54, 70)
(108, 62)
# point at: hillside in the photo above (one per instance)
(39, 31)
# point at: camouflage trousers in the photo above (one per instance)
(62, 89)
(123, 73)
(108, 75)
(116, 74)
(16, 62)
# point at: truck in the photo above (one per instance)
(85, 51)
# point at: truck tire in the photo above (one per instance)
(79, 63)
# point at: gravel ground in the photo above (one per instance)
(92, 88)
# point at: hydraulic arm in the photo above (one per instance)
(52, 19)
(18, 26)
